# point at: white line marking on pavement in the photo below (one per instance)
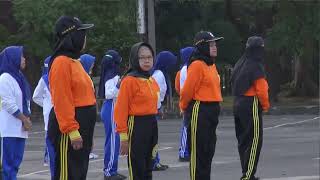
(160, 149)
(316, 158)
(295, 178)
(33, 173)
(293, 123)
(33, 151)
(92, 161)
(39, 132)
(122, 156)
(165, 148)
(186, 164)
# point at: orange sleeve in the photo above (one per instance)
(121, 110)
(261, 86)
(194, 77)
(177, 83)
(60, 89)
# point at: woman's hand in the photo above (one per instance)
(77, 143)
(124, 147)
(27, 124)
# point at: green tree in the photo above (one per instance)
(178, 21)
(114, 27)
(291, 29)
(296, 33)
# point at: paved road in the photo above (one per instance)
(290, 151)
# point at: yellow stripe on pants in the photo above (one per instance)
(255, 138)
(130, 129)
(64, 157)
(194, 122)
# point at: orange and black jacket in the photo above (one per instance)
(202, 84)
(137, 97)
(260, 89)
(177, 83)
(70, 87)
(249, 78)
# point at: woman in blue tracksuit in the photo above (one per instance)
(42, 97)
(87, 61)
(108, 89)
(165, 61)
(15, 96)
(184, 153)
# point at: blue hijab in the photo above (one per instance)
(165, 62)
(185, 54)
(110, 67)
(45, 70)
(10, 60)
(87, 61)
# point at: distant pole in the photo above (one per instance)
(141, 24)
(151, 25)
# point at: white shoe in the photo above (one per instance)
(93, 156)
(45, 164)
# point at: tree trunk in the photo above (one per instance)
(151, 25)
(141, 24)
(303, 83)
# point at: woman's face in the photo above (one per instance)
(213, 49)
(145, 58)
(23, 63)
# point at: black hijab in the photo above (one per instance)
(200, 53)
(249, 67)
(202, 47)
(134, 66)
(70, 36)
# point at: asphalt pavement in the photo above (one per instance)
(290, 151)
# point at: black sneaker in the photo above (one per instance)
(160, 167)
(184, 159)
(115, 177)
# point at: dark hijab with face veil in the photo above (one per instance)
(249, 67)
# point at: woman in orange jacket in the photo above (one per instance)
(199, 99)
(135, 113)
(72, 120)
(250, 88)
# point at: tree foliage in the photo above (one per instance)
(114, 24)
(291, 30)
(178, 21)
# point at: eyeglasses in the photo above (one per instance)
(146, 58)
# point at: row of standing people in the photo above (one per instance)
(72, 119)
(198, 84)
(56, 141)
(69, 116)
